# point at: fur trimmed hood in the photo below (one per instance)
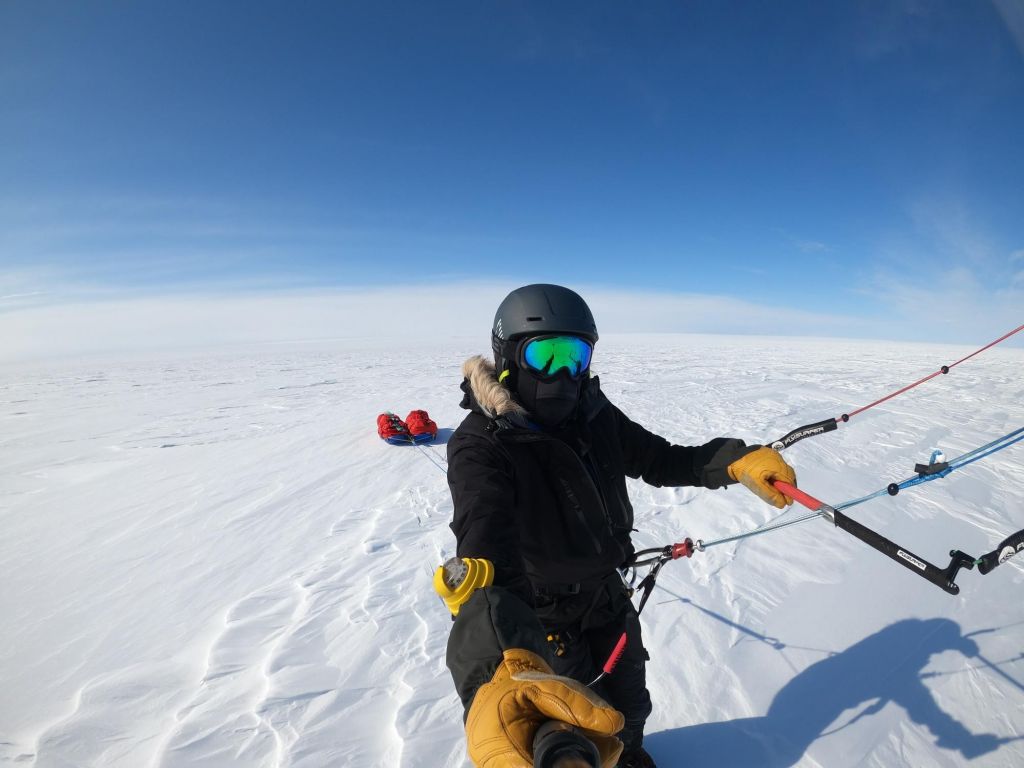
(485, 389)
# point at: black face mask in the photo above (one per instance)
(551, 402)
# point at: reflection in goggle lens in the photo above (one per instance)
(555, 353)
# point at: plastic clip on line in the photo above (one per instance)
(936, 465)
(936, 468)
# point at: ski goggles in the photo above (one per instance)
(550, 355)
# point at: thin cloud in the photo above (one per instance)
(1012, 12)
(893, 27)
(954, 229)
(944, 234)
(811, 246)
(12, 296)
(639, 312)
(804, 244)
(953, 306)
(971, 290)
(1017, 279)
(455, 310)
(52, 319)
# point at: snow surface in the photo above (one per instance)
(210, 559)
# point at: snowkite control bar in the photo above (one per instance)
(828, 425)
(944, 578)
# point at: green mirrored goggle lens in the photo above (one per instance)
(553, 354)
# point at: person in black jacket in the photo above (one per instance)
(537, 472)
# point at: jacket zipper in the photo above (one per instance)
(591, 474)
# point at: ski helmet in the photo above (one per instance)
(537, 309)
(541, 308)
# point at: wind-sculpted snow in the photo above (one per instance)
(212, 560)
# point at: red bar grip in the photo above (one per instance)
(797, 495)
(616, 655)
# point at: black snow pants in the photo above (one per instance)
(583, 630)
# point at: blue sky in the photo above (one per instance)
(859, 162)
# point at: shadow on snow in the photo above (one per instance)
(881, 669)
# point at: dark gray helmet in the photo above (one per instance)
(534, 310)
(538, 309)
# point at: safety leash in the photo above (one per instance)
(829, 425)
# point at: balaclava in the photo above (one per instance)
(551, 402)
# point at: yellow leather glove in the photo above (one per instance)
(758, 468)
(524, 694)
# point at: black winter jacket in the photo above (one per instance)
(551, 511)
